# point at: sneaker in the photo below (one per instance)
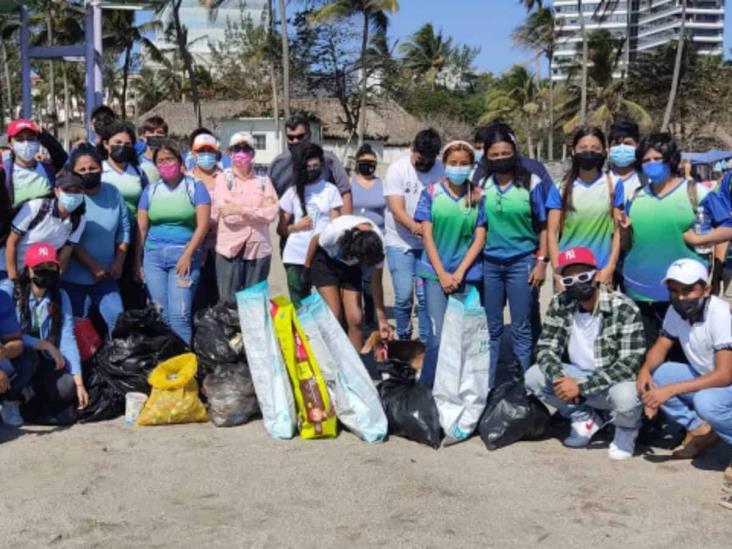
(694, 445)
(623, 444)
(726, 501)
(582, 432)
(11, 414)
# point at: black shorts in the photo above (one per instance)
(327, 271)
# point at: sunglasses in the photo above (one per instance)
(581, 278)
(296, 137)
(241, 148)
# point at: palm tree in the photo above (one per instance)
(427, 53)
(374, 15)
(540, 33)
(677, 70)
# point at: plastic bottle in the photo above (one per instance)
(702, 226)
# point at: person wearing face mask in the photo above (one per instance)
(368, 201)
(448, 213)
(623, 138)
(244, 206)
(59, 221)
(46, 320)
(696, 393)
(282, 169)
(205, 156)
(656, 219)
(153, 132)
(172, 222)
(25, 177)
(120, 169)
(403, 185)
(16, 364)
(515, 254)
(600, 332)
(91, 280)
(583, 210)
(305, 210)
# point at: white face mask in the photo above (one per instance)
(26, 150)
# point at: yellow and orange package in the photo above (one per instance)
(174, 397)
(315, 413)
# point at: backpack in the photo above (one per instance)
(41, 214)
(8, 165)
(229, 174)
(190, 188)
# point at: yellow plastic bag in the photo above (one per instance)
(174, 397)
(315, 413)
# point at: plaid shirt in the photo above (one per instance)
(619, 348)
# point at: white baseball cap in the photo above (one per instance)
(241, 137)
(687, 271)
(205, 141)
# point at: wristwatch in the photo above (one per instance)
(542, 258)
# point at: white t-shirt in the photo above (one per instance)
(584, 332)
(630, 184)
(337, 228)
(701, 340)
(51, 229)
(320, 199)
(403, 179)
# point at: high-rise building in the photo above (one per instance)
(646, 25)
(204, 28)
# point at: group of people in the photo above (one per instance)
(633, 327)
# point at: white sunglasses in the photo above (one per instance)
(581, 278)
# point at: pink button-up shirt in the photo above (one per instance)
(245, 233)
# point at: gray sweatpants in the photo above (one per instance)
(237, 274)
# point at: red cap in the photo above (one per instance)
(576, 256)
(17, 126)
(40, 253)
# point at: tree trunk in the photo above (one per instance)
(8, 82)
(53, 115)
(67, 107)
(187, 62)
(550, 152)
(585, 60)
(677, 71)
(272, 71)
(125, 79)
(285, 59)
(364, 75)
(529, 139)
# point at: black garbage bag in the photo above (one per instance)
(217, 337)
(512, 415)
(140, 341)
(230, 393)
(410, 409)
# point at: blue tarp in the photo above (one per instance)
(709, 157)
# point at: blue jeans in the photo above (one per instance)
(436, 304)
(103, 295)
(403, 269)
(20, 371)
(171, 293)
(689, 410)
(621, 399)
(509, 280)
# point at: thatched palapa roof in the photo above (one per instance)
(388, 121)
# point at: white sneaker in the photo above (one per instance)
(623, 444)
(11, 414)
(582, 432)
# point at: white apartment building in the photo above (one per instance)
(647, 24)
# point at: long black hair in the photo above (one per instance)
(573, 173)
(665, 144)
(364, 246)
(113, 129)
(300, 169)
(22, 298)
(85, 149)
(502, 133)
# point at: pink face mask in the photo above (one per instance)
(242, 159)
(169, 171)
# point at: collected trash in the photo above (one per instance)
(409, 406)
(217, 337)
(174, 396)
(356, 400)
(87, 338)
(134, 402)
(463, 365)
(230, 394)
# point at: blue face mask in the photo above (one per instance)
(622, 156)
(70, 201)
(458, 175)
(657, 172)
(206, 160)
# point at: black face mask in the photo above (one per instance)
(589, 160)
(124, 154)
(45, 278)
(424, 166)
(366, 168)
(689, 308)
(314, 175)
(91, 180)
(582, 291)
(501, 166)
(154, 141)
(294, 148)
